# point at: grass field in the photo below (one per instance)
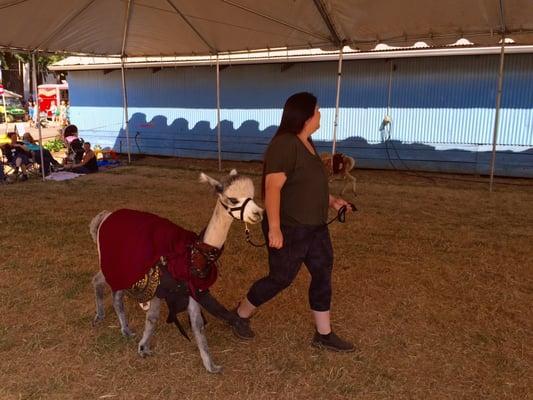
(433, 280)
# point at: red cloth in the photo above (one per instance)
(131, 242)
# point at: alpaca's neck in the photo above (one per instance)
(218, 227)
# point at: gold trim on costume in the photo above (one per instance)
(144, 289)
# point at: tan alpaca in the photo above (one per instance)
(340, 169)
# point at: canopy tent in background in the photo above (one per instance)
(194, 27)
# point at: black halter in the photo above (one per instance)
(240, 208)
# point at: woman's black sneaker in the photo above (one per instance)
(332, 342)
(241, 326)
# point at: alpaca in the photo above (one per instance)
(235, 201)
(339, 167)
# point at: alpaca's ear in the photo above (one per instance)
(213, 182)
(233, 172)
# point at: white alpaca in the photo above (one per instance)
(235, 201)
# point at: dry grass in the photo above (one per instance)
(432, 279)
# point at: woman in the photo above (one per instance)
(74, 145)
(53, 110)
(88, 164)
(31, 113)
(296, 196)
(17, 154)
(49, 161)
(63, 114)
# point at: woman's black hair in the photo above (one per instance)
(297, 110)
(70, 130)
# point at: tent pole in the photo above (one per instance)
(336, 122)
(5, 112)
(218, 116)
(123, 71)
(37, 110)
(125, 102)
(497, 115)
(4, 102)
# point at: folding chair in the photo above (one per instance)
(9, 160)
(2, 175)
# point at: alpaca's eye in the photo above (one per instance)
(233, 200)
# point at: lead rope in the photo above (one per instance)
(249, 238)
(341, 217)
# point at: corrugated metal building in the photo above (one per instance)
(442, 110)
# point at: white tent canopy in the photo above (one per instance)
(186, 27)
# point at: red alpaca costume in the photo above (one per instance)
(131, 242)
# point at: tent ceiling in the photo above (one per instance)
(186, 27)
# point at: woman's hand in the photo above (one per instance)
(336, 203)
(273, 184)
(275, 238)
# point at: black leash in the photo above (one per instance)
(249, 239)
(341, 214)
(341, 217)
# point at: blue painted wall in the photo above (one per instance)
(442, 110)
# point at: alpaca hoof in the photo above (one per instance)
(97, 319)
(144, 351)
(126, 332)
(215, 369)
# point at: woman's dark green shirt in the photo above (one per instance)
(305, 194)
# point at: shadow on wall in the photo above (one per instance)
(248, 142)
(157, 137)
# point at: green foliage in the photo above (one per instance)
(54, 145)
(43, 60)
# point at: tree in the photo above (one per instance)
(9, 62)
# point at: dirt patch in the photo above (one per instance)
(432, 280)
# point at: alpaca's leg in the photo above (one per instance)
(118, 305)
(99, 284)
(197, 324)
(344, 185)
(354, 180)
(152, 315)
(351, 166)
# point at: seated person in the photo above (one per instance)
(17, 155)
(88, 163)
(35, 150)
(74, 145)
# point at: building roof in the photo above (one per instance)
(462, 48)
